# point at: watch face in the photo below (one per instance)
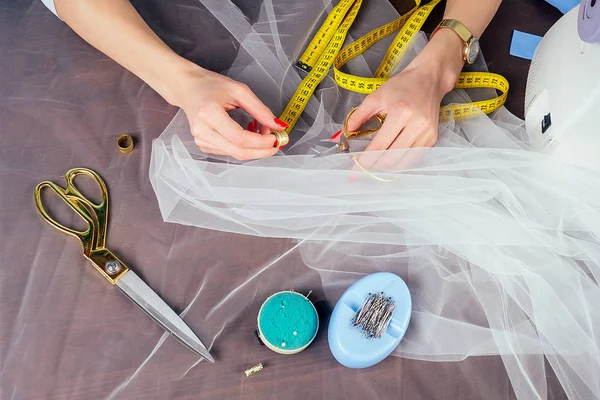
(472, 51)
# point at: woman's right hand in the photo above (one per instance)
(206, 97)
(115, 28)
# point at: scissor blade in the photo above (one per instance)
(143, 296)
(333, 149)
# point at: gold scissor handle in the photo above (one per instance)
(346, 135)
(362, 132)
(100, 211)
(94, 214)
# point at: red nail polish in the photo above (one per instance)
(249, 126)
(281, 123)
(276, 142)
(281, 147)
(336, 135)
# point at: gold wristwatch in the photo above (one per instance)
(471, 43)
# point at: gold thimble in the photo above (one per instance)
(125, 143)
(282, 138)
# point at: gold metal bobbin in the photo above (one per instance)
(125, 143)
(282, 138)
(253, 370)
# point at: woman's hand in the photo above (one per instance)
(411, 99)
(115, 28)
(206, 97)
(411, 103)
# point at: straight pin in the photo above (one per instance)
(374, 316)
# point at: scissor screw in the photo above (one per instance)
(113, 267)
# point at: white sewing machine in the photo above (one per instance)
(562, 99)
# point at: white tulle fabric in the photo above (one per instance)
(498, 244)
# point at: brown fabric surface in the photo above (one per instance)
(63, 104)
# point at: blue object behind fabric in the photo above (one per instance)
(563, 5)
(524, 44)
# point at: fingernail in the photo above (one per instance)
(276, 142)
(335, 135)
(281, 123)
(281, 147)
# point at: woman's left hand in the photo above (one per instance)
(411, 103)
(411, 99)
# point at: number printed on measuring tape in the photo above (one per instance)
(325, 50)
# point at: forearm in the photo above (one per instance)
(474, 14)
(115, 28)
(444, 51)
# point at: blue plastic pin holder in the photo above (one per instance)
(369, 320)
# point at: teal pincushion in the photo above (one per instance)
(287, 322)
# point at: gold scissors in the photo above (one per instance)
(105, 262)
(342, 145)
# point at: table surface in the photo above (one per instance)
(62, 104)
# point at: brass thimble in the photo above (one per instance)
(125, 143)
(282, 138)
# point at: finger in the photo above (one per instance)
(411, 158)
(212, 142)
(248, 101)
(267, 132)
(219, 142)
(418, 150)
(409, 136)
(393, 127)
(263, 130)
(400, 160)
(392, 159)
(221, 122)
(366, 110)
(252, 126)
(367, 160)
(427, 140)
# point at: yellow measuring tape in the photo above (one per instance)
(324, 51)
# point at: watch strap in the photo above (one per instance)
(457, 27)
